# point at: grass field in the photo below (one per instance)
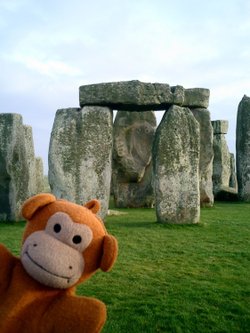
(173, 278)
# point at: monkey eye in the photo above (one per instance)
(63, 228)
(77, 239)
(57, 228)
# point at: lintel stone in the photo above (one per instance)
(140, 96)
(220, 126)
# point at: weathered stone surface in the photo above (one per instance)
(176, 155)
(40, 181)
(132, 159)
(206, 156)
(196, 98)
(135, 195)
(221, 163)
(47, 188)
(31, 160)
(243, 148)
(14, 166)
(135, 95)
(35, 164)
(220, 126)
(80, 155)
(233, 177)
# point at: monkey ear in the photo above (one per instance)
(93, 205)
(110, 252)
(31, 205)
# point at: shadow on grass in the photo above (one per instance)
(156, 224)
(137, 224)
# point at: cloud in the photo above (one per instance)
(50, 68)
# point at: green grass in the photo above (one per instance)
(173, 278)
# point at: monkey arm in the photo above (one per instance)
(75, 314)
(7, 261)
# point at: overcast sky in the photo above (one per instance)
(50, 47)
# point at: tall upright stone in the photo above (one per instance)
(206, 156)
(80, 155)
(222, 158)
(176, 155)
(31, 159)
(243, 148)
(40, 182)
(35, 164)
(14, 166)
(132, 159)
(233, 176)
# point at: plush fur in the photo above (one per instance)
(63, 245)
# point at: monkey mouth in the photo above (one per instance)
(44, 269)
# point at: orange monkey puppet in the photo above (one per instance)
(63, 245)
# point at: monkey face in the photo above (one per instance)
(64, 243)
(54, 256)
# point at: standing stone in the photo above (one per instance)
(206, 156)
(40, 182)
(35, 164)
(80, 155)
(243, 148)
(30, 153)
(14, 166)
(47, 188)
(229, 192)
(222, 158)
(233, 177)
(176, 154)
(132, 159)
